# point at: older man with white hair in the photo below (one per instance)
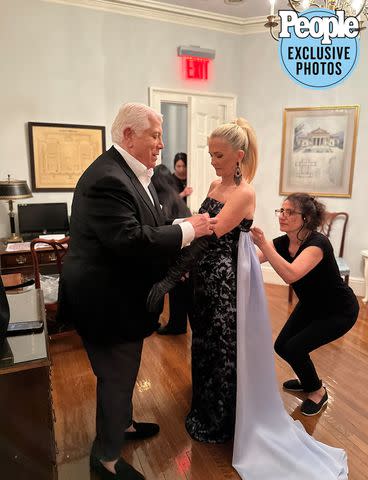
(120, 246)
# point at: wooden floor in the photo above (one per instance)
(163, 393)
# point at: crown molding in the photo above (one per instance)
(154, 10)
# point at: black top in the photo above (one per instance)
(179, 183)
(323, 284)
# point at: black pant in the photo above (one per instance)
(307, 330)
(181, 305)
(116, 368)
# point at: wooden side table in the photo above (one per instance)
(364, 254)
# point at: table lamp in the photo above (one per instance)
(13, 190)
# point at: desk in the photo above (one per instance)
(21, 261)
(364, 254)
(27, 440)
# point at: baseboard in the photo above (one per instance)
(270, 276)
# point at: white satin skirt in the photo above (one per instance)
(269, 444)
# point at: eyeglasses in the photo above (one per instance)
(286, 212)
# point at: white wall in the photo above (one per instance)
(267, 91)
(67, 64)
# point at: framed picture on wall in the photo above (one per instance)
(318, 150)
(60, 153)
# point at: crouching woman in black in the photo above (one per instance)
(327, 306)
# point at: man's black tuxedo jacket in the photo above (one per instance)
(119, 247)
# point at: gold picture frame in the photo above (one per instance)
(318, 150)
(60, 153)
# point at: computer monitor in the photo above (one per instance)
(42, 218)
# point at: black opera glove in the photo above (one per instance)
(183, 264)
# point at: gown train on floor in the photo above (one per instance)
(269, 444)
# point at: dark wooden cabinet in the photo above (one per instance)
(21, 261)
(27, 445)
(27, 439)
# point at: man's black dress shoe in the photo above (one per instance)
(166, 330)
(310, 408)
(124, 471)
(142, 430)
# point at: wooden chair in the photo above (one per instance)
(334, 227)
(60, 248)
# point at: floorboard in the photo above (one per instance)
(163, 393)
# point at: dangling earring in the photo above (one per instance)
(237, 175)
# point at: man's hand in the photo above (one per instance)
(258, 237)
(203, 225)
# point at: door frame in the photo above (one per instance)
(156, 95)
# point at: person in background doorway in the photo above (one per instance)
(180, 175)
(172, 204)
(180, 297)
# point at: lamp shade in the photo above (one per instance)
(14, 190)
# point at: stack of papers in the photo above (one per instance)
(53, 236)
(16, 247)
(26, 246)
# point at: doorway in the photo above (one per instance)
(175, 131)
(202, 112)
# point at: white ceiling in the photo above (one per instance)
(246, 9)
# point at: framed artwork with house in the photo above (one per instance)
(318, 150)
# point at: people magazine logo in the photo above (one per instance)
(318, 48)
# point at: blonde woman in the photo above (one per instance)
(231, 199)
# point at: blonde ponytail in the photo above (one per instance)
(250, 160)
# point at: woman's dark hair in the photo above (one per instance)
(173, 206)
(180, 156)
(313, 212)
(162, 178)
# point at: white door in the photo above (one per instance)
(205, 112)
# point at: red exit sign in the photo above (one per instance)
(195, 67)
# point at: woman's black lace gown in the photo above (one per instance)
(212, 415)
